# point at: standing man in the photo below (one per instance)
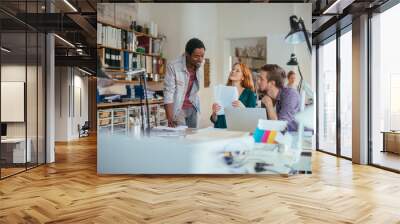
(181, 86)
(281, 103)
(291, 76)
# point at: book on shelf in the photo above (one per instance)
(145, 42)
(112, 37)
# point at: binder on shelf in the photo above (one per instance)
(107, 58)
(155, 65)
(149, 64)
(126, 61)
(142, 61)
(99, 33)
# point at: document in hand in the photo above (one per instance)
(224, 96)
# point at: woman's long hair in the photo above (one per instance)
(247, 81)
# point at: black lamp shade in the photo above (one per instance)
(293, 60)
(296, 35)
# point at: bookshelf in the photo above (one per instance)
(122, 49)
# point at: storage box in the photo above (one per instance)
(104, 114)
(105, 121)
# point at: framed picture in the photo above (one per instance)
(207, 73)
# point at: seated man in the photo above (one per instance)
(281, 103)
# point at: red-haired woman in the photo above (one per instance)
(241, 78)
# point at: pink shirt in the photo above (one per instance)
(186, 103)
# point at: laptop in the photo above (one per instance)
(244, 119)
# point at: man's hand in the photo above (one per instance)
(170, 114)
(267, 101)
(171, 124)
(237, 104)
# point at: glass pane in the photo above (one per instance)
(346, 94)
(13, 86)
(41, 99)
(327, 97)
(31, 98)
(386, 89)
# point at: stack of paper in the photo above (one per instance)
(164, 131)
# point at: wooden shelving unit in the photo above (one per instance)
(154, 63)
(126, 104)
(117, 122)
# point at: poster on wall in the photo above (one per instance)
(155, 114)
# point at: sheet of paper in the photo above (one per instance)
(164, 131)
(224, 96)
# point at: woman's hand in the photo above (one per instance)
(215, 108)
(238, 104)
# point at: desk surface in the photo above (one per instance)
(200, 152)
(13, 140)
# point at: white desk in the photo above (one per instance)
(18, 149)
(196, 153)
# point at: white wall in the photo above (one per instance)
(67, 115)
(301, 50)
(216, 23)
(33, 127)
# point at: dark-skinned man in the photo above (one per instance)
(181, 86)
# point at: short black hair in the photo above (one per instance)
(192, 44)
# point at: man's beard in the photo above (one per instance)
(197, 65)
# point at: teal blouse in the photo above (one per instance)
(248, 98)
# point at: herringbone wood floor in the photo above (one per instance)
(70, 191)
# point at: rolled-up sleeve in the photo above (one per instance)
(169, 85)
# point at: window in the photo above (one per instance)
(385, 86)
(327, 97)
(346, 94)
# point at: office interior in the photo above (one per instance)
(353, 74)
(218, 26)
(45, 81)
(215, 25)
